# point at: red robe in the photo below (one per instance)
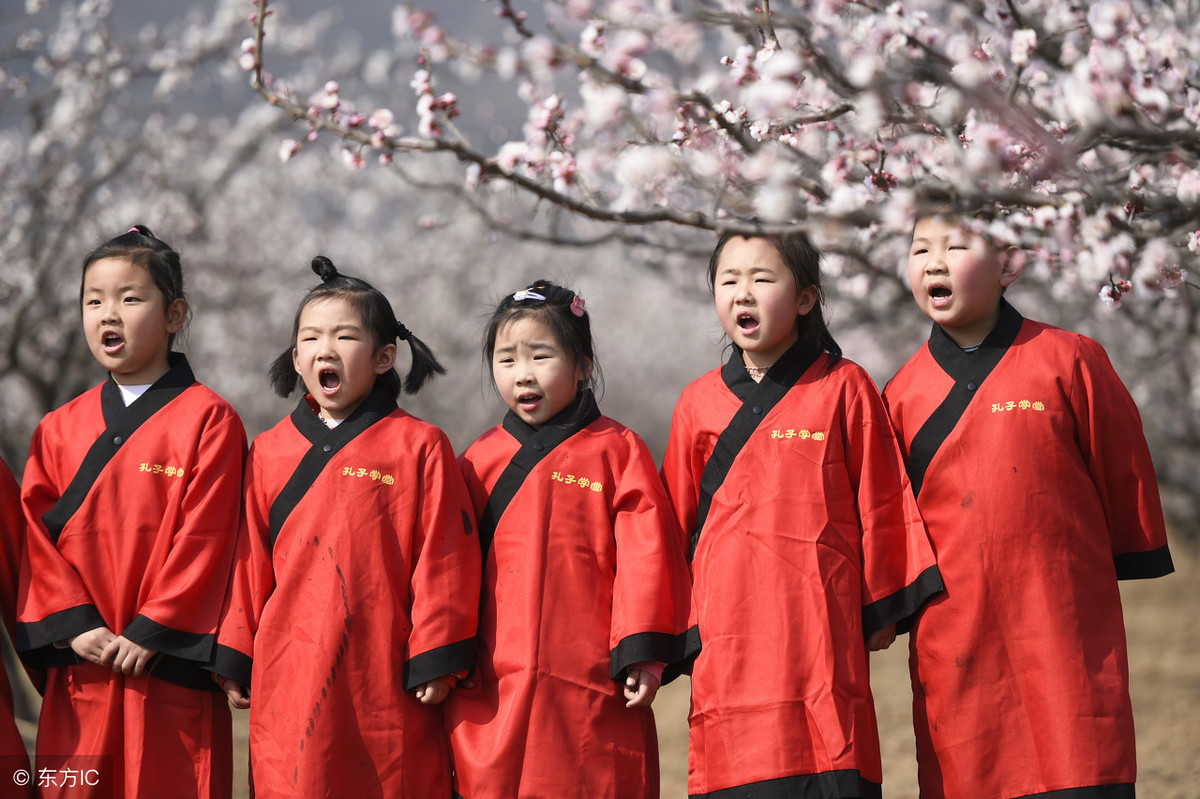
(1039, 496)
(12, 542)
(360, 584)
(132, 519)
(811, 543)
(584, 576)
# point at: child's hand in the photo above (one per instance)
(881, 639)
(433, 692)
(91, 645)
(235, 692)
(126, 656)
(640, 687)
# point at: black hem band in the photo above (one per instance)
(197, 647)
(841, 784)
(645, 648)
(1144, 565)
(231, 664)
(902, 607)
(32, 636)
(691, 650)
(440, 662)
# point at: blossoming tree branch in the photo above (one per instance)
(1079, 124)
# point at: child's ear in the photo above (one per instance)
(385, 359)
(176, 315)
(806, 298)
(1012, 264)
(583, 372)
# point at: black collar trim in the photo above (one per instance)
(326, 443)
(535, 446)
(758, 399)
(969, 370)
(120, 422)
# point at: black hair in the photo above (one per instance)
(143, 249)
(378, 318)
(803, 260)
(562, 310)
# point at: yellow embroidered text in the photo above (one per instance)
(1018, 405)
(368, 474)
(158, 468)
(582, 482)
(815, 435)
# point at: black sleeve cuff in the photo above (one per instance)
(185, 646)
(440, 662)
(1144, 565)
(231, 664)
(902, 607)
(683, 664)
(57, 627)
(645, 648)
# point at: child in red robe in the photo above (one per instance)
(131, 497)
(355, 601)
(585, 589)
(13, 756)
(808, 548)
(1032, 473)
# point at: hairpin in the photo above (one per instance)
(577, 305)
(526, 294)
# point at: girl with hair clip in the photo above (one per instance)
(807, 548)
(355, 599)
(131, 497)
(585, 590)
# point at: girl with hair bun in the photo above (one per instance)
(355, 599)
(131, 497)
(585, 592)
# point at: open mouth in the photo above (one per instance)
(747, 323)
(939, 295)
(331, 381)
(111, 342)
(529, 401)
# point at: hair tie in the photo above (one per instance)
(402, 332)
(577, 305)
(133, 230)
(526, 294)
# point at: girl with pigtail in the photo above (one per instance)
(585, 590)
(354, 603)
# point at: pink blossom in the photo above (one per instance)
(563, 171)
(591, 41)
(381, 119)
(288, 148)
(511, 154)
(1024, 42)
(1188, 188)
